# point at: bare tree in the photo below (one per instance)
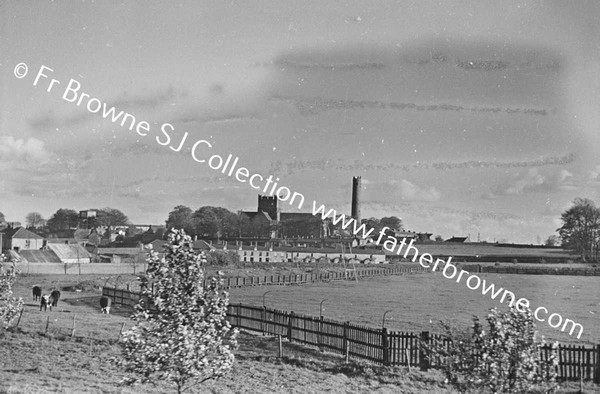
(35, 220)
(553, 240)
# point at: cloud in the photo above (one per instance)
(329, 66)
(468, 55)
(403, 189)
(594, 175)
(149, 100)
(317, 105)
(291, 167)
(217, 89)
(533, 181)
(49, 120)
(483, 65)
(30, 150)
(230, 118)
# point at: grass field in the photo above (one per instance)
(417, 302)
(31, 362)
(473, 249)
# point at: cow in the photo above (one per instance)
(37, 293)
(54, 297)
(45, 302)
(105, 304)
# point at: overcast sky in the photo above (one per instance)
(462, 117)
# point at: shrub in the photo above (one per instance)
(505, 359)
(222, 258)
(10, 307)
(181, 333)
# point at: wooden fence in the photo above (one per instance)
(381, 346)
(377, 345)
(296, 279)
(299, 279)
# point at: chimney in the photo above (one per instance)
(356, 198)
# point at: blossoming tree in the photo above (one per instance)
(10, 307)
(181, 333)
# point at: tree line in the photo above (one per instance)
(65, 219)
(217, 222)
(580, 230)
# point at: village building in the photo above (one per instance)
(19, 238)
(272, 223)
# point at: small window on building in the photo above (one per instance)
(28, 243)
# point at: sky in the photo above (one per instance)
(475, 118)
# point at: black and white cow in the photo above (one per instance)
(105, 304)
(37, 293)
(54, 297)
(45, 302)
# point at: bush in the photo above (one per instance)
(222, 258)
(505, 359)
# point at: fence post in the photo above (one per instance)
(290, 319)
(384, 344)
(320, 335)
(280, 347)
(47, 324)
(19, 320)
(73, 328)
(597, 367)
(263, 320)
(345, 341)
(424, 363)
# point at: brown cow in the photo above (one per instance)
(54, 297)
(37, 293)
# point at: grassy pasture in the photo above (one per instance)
(473, 249)
(418, 302)
(31, 362)
(34, 362)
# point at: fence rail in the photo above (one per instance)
(377, 345)
(299, 279)
(295, 279)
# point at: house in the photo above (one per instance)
(201, 245)
(38, 256)
(70, 254)
(122, 255)
(19, 238)
(259, 254)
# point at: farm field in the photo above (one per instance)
(31, 362)
(34, 362)
(418, 302)
(473, 249)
